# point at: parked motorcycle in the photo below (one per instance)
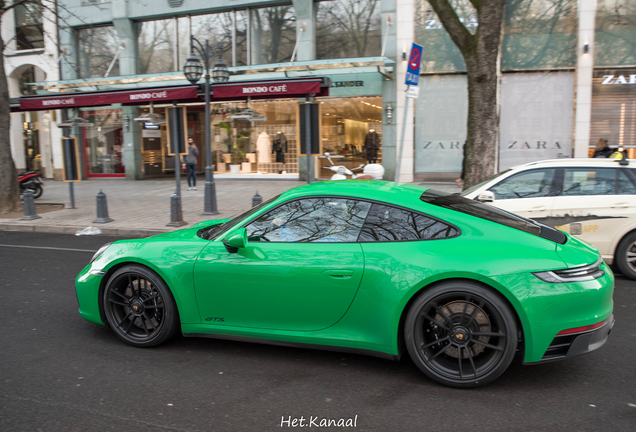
(31, 180)
(370, 171)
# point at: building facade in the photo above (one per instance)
(568, 78)
(31, 55)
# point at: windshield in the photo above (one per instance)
(477, 186)
(217, 230)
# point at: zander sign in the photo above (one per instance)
(107, 98)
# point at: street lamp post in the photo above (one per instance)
(193, 69)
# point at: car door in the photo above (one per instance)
(595, 204)
(300, 271)
(529, 193)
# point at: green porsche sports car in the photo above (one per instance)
(367, 266)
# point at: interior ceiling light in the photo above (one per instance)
(75, 121)
(151, 117)
(248, 114)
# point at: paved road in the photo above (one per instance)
(61, 373)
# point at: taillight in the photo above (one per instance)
(577, 274)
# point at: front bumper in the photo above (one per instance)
(570, 345)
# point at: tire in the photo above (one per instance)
(625, 256)
(36, 190)
(139, 307)
(461, 334)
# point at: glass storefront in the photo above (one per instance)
(614, 109)
(352, 131)
(103, 143)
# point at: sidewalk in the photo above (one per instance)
(142, 208)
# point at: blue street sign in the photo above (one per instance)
(415, 60)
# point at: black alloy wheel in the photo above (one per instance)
(625, 256)
(139, 307)
(461, 334)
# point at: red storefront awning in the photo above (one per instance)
(127, 97)
(271, 89)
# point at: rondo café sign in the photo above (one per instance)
(108, 98)
(278, 89)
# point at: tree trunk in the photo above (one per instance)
(483, 118)
(9, 189)
(480, 52)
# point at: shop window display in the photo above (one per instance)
(351, 130)
(103, 142)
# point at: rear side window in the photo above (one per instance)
(387, 224)
(625, 185)
(589, 181)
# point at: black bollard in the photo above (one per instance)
(29, 206)
(102, 209)
(256, 199)
(176, 215)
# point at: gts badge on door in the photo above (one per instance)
(215, 319)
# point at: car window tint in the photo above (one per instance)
(625, 185)
(589, 181)
(323, 220)
(529, 184)
(385, 223)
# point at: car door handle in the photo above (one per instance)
(338, 274)
(538, 208)
(621, 205)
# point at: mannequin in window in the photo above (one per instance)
(263, 147)
(279, 146)
(372, 145)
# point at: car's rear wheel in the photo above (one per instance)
(139, 307)
(625, 257)
(461, 334)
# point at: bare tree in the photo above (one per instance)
(480, 52)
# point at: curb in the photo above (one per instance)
(65, 229)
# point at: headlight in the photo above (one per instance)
(576, 274)
(100, 251)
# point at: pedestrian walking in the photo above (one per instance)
(602, 149)
(190, 162)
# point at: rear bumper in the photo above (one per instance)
(570, 345)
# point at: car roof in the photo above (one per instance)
(370, 189)
(591, 162)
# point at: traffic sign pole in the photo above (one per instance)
(412, 78)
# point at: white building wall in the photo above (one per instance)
(45, 62)
(584, 72)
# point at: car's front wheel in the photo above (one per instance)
(139, 307)
(461, 334)
(625, 257)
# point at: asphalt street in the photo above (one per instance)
(61, 373)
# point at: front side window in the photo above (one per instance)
(386, 223)
(311, 220)
(589, 181)
(529, 184)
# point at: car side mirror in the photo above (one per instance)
(486, 196)
(236, 241)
